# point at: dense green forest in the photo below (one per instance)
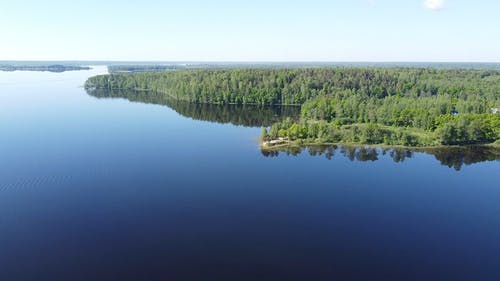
(393, 106)
(426, 121)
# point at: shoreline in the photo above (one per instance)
(269, 146)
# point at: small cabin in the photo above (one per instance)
(495, 110)
(454, 112)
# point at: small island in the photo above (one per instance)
(383, 106)
(49, 68)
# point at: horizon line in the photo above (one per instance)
(247, 61)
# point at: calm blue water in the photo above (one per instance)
(108, 189)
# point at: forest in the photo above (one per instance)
(405, 106)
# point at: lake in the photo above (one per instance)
(120, 186)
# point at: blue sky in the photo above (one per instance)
(258, 30)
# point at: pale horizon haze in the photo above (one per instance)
(221, 30)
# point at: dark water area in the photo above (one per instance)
(240, 115)
(452, 157)
(128, 189)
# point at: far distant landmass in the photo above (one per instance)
(51, 68)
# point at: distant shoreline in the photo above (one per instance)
(483, 65)
(48, 68)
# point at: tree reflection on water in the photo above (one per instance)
(241, 115)
(453, 157)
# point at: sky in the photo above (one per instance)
(257, 30)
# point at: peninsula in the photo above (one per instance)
(394, 106)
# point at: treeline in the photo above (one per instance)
(143, 68)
